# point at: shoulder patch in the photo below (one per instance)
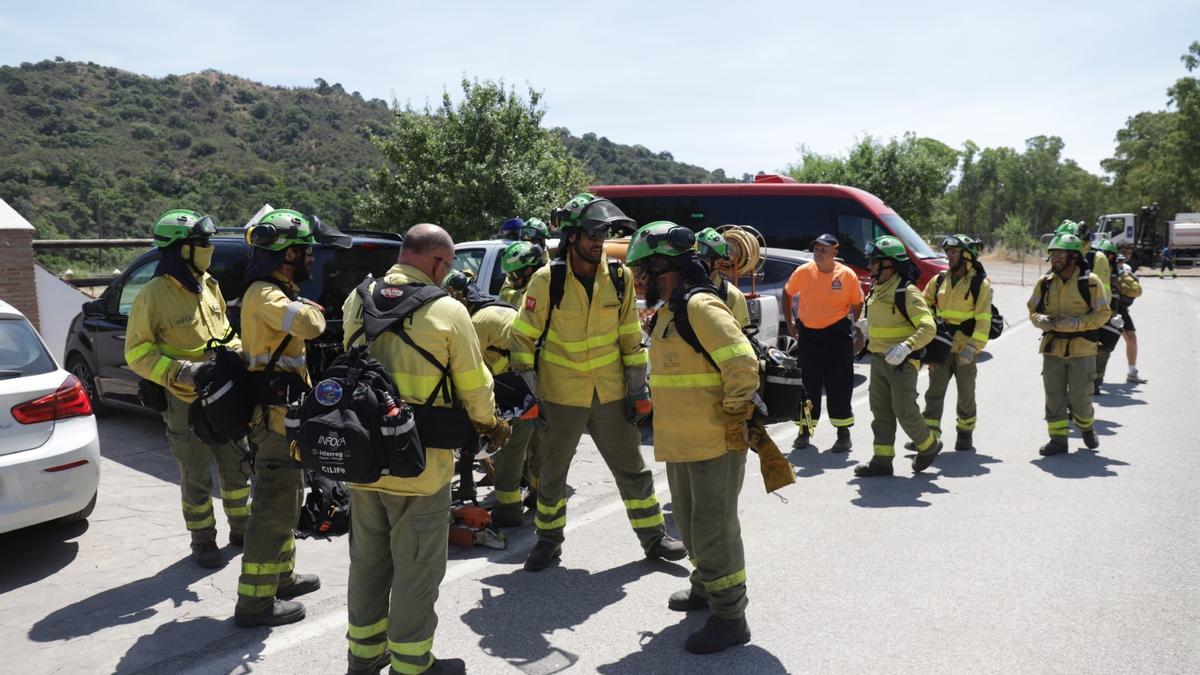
(530, 303)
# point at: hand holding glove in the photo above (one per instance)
(896, 355)
(966, 355)
(640, 406)
(737, 429)
(1042, 322)
(187, 372)
(1117, 322)
(1067, 324)
(497, 435)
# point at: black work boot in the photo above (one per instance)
(301, 584)
(842, 444)
(207, 555)
(878, 466)
(1096, 388)
(964, 442)
(544, 553)
(382, 661)
(278, 614)
(447, 667)
(667, 548)
(1056, 446)
(507, 515)
(718, 634)
(801, 441)
(1089, 438)
(686, 601)
(924, 460)
(237, 539)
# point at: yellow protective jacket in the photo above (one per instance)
(953, 305)
(887, 327)
(511, 295)
(169, 324)
(268, 316)
(443, 328)
(690, 395)
(1063, 300)
(1128, 285)
(589, 344)
(493, 327)
(735, 300)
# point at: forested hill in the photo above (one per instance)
(81, 139)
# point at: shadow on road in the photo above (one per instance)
(956, 464)
(514, 624)
(45, 549)
(122, 605)
(663, 652)
(882, 492)
(184, 638)
(811, 462)
(1078, 464)
(1107, 427)
(138, 442)
(1118, 396)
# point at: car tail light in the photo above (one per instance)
(70, 400)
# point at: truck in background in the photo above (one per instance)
(1142, 236)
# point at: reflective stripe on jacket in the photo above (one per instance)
(443, 328)
(268, 316)
(169, 324)
(953, 305)
(690, 395)
(887, 327)
(590, 343)
(1063, 300)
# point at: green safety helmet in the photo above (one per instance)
(456, 281)
(1068, 227)
(181, 224)
(1065, 242)
(284, 228)
(964, 243)
(1106, 246)
(534, 228)
(887, 247)
(710, 244)
(521, 254)
(591, 214)
(661, 237)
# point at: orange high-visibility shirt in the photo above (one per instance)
(823, 298)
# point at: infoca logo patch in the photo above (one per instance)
(391, 292)
(328, 392)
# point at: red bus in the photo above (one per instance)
(788, 214)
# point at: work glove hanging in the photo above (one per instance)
(776, 471)
(896, 355)
(966, 355)
(1042, 322)
(529, 377)
(737, 433)
(497, 435)
(637, 394)
(187, 372)
(1067, 324)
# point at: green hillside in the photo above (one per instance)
(89, 151)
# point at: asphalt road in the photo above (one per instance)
(996, 560)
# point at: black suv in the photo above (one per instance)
(95, 350)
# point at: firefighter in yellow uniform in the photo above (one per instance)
(275, 323)
(713, 249)
(519, 263)
(401, 525)
(172, 320)
(1068, 305)
(579, 326)
(961, 299)
(894, 334)
(700, 431)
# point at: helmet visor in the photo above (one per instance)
(603, 215)
(202, 229)
(329, 235)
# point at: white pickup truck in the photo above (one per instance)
(482, 259)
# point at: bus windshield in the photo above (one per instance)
(909, 236)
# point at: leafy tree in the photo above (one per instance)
(471, 165)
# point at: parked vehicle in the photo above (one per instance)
(95, 350)
(482, 259)
(49, 446)
(1143, 236)
(789, 215)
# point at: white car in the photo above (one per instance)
(49, 446)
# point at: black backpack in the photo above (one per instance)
(996, 328)
(224, 398)
(326, 509)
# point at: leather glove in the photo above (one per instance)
(896, 355)
(529, 377)
(1067, 323)
(187, 372)
(635, 380)
(1042, 321)
(737, 430)
(966, 355)
(640, 406)
(1117, 322)
(497, 435)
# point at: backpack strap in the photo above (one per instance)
(937, 285)
(558, 285)
(1085, 290)
(387, 307)
(723, 291)
(901, 300)
(1045, 284)
(683, 325)
(616, 272)
(287, 339)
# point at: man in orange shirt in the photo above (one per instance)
(829, 301)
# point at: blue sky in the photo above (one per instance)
(720, 84)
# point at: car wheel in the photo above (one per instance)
(789, 345)
(82, 514)
(78, 366)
